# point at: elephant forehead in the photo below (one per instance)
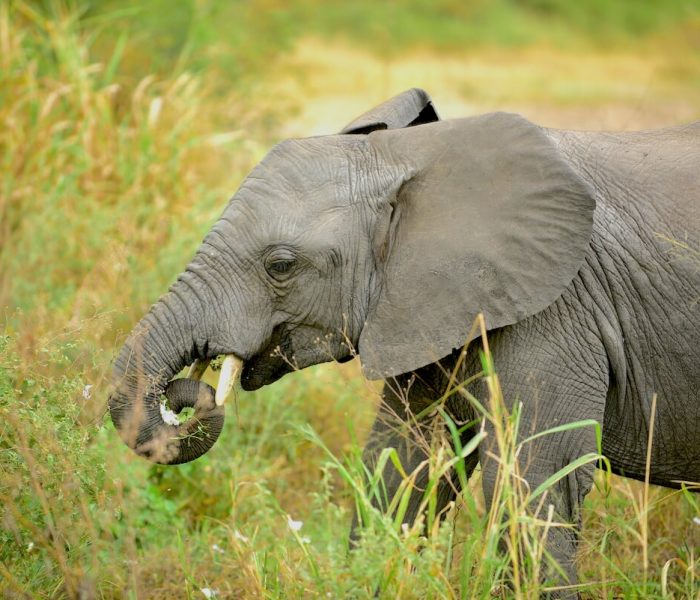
(305, 164)
(305, 188)
(292, 193)
(261, 214)
(335, 169)
(273, 215)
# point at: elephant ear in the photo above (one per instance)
(412, 107)
(491, 218)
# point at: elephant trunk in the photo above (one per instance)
(153, 354)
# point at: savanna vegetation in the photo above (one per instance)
(124, 128)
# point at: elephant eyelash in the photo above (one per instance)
(280, 263)
(281, 267)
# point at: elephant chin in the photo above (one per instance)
(263, 370)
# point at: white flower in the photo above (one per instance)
(305, 540)
(696, 520)
(168, 415)
(294, 525)
(237, 535)
(209, 593)
(30, 546)
(217, 548)
(86, 391)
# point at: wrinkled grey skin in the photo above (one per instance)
(391, 237)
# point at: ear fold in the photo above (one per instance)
(412, 107)
(494, 220)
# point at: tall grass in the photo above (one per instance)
(102, 179)
(114, 165)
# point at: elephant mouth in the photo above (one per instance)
(262, 369)
(231, 368)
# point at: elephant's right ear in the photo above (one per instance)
(412, 107)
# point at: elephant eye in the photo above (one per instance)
(279, 267)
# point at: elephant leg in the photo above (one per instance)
(397, 426)
(566, 498)
(557, 371)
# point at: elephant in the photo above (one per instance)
(388, 239)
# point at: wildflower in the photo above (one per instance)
(305, 540)
(209, 593)
(30, 546)
(237, 535)
(696, 520)
(294, 525)
(87, 394)
(217, 548)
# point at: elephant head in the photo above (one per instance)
(389, 237)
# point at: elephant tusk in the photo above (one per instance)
(230, 372)
(197, 369)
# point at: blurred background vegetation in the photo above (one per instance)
(124, 128)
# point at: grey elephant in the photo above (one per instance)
(389, 238)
